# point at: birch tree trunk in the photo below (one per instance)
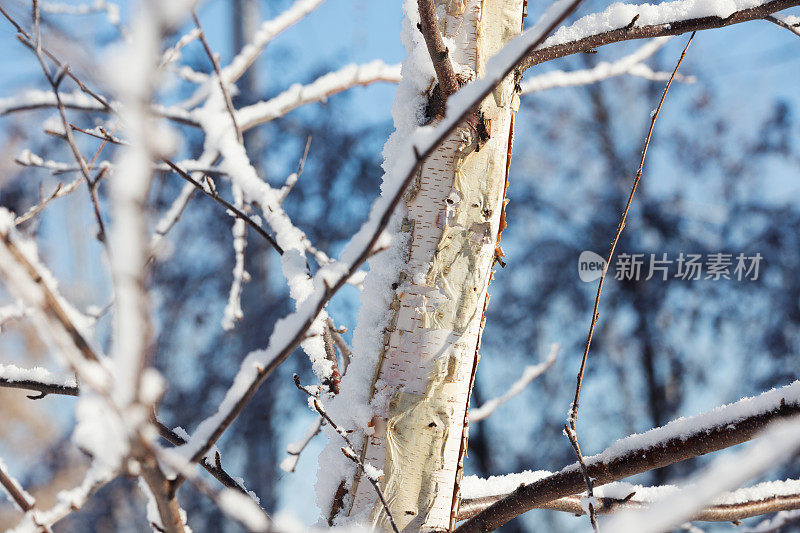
(424, 375)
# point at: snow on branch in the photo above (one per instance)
(268, 31)
(779, 442)
(623, 22)
(316, 91)
(764, 498)
(679, 440)
(67, 502)
(529, 373)
(632, 65)
(99, 6)
(39, 379)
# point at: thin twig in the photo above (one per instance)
(60, 191)
(212, 193)
(529, 374)
(570, 429)
(27, 41)
(573, 414)
(291, 180)
(222, 85)
(349, 452)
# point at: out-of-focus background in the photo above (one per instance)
(723, 175)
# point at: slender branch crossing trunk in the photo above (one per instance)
(455, 213)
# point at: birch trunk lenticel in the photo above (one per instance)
(454, 213)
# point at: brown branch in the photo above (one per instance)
(60, 191)
(626, 33)
(448, 84)
(612, 466)
(713, 513)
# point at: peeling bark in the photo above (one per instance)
(425, 373)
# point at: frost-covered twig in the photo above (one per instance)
(370, 472)
(294, 449)
(529, 373)
(292, 178)
(223, 83)
(67, 501)
(235, 212)
(99, 6)
(233, 309)
(60, 191)
(173, 53)
(55, 318)
(319, 90)
(238, 506)
(28, 41)
(632, 65)
(266, 33)
(45, 382)
(679, 440)
(37, 99)
(16, 493)
(654, 20)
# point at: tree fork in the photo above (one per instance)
(455, 214)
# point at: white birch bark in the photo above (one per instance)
(424, 375)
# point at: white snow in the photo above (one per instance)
(42, 375)
(476, 487)
(318, 90)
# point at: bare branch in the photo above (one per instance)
(573, 414)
